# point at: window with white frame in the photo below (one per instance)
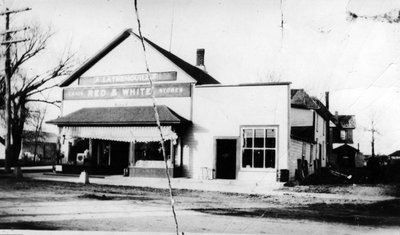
(259, 147)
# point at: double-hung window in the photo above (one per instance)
(259, 147)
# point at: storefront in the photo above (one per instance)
(210, 130)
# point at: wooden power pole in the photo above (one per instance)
(373, 131)
(8, 42)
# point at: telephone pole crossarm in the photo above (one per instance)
(14, 30)
(8, 11)
(14, 41)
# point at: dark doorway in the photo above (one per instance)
(226, 159)
(119, 155)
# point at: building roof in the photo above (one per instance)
(197, 74)
(323, 110)
(300, 99)
(396, 153)
(346, 121)
(302, 133)
(119, 116)
(345, 149)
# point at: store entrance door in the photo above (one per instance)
(226, 159)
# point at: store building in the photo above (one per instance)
(211, 130)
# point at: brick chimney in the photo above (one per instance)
(200, 58)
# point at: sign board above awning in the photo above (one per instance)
(123, 134)
(127, 92)
(128, 78)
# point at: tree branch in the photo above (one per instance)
(41, 90)
(55, 102)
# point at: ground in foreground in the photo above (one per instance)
(45, 205)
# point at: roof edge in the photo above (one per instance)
(208, 79)
(245, 84)
(96, 58)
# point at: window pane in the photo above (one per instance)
(269, 158)
(258, 158)
(248, 138)
(259, 138)
(247, 158)
(270, 141)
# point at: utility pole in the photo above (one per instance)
(328, 132)
(8, 42)
(373, 130)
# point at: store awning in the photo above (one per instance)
(124, 134)
(127, 124)
(119, 116)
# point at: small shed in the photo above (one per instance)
(346, 156)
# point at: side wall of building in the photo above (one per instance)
(320, 139)
(221, 112)
(306, 117)
(299, 150)
(301, 117)
(2, 151)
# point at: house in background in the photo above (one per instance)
(45, 146)
(342, 132)
(309, 119)
(344, 155)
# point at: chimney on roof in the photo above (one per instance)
(327, 100)
(200, 58)
(336, 114)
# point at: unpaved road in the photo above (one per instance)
(45, 205)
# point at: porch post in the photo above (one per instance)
(131, 153)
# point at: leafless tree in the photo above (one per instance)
(27, 87)
(37, 118)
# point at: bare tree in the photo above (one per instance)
(37, 118)
(27, 87)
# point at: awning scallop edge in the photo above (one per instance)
(124, 134)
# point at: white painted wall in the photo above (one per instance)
(301, 117)
(220, 111)
(2, 152)
(320, 137)
(305, 117)
(128, 58)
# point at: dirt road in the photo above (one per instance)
(43, 205)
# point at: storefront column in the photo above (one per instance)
(90, 148)
(172, 153)
(131, 153)
(99, 152)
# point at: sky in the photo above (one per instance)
(319, 48)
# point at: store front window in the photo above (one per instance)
(152, 151)
(259, 147)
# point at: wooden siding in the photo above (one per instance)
(296, 149)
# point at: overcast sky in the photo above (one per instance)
(319, 48)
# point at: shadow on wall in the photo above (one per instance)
(189, 146)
